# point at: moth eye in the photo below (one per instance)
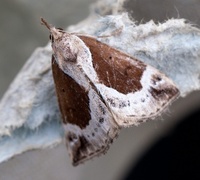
(51, 38)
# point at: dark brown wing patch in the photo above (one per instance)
(120, 72)
(72, 98)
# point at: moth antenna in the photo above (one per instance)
(43, 22)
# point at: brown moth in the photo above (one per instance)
(101, 89)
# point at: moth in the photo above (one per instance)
(100, 90)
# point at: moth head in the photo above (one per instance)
(55, 33)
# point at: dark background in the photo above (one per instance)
(21, 33)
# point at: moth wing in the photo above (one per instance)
(132, 90)
(89, 126)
